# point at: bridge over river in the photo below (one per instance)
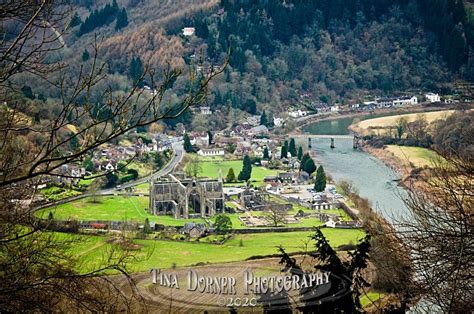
(303, 136)
(308, 137)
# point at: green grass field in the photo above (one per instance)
(118, 208)
(419, 157)
(370, 298)
(132, 208)
(213, 169)
(165, 254)
(110, 208)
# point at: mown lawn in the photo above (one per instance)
(116, 208)
(132, 208)
(213, 169)
(165, 254)
(418, 156)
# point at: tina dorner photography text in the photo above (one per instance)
(252, 284)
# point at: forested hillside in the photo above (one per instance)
(340, 49)
(283, 53)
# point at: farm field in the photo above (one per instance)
(165, 254)
(364, 127)
(392, 120)
(419, 157)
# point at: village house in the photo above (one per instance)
(70, 174)
(322, 204)
(211, 152)
(194, 230)
(339, 224)
(253, 120)
(220, 140)
(205, 110)
(258, 130)
(199, 139)
(388, 102)
(243, 148)
(298, 113)
(108, 165)
(431, 97)
(278, 122)
(188, 31)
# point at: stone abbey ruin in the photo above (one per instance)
(184, 197)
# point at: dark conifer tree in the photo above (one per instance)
(246, 172)
(320, 181)
(188, 147)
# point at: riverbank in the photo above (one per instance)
(403, 169)
(309, 120)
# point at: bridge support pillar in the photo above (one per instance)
(309, 142)
(332, 142)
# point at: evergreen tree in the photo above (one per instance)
(76, 20)
(300, 153)
(88, 164)
(230, 176)
(270, 122)
(74, 143)
(246, 172)
(112, 179)
(122, 20)
(309, 166)
(292, 148)
(85, 55)
(284, 150)
(263, 118)
(266, 154)
(99, 17)
(188, 147)
(133, 173)
(136, 71)
(147, 227)
(27, 92)
(202, 30)
(209, 133)
(320, 181)
(250, 106)
(303, 160)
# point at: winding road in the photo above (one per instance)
(169, 167)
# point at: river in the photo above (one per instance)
(372, 178)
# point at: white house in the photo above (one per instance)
(433, 97)
(211, 152)
(405, 101)
(199, 138)
(388, 102)
(188, 31)
(205, 110)
(298, 113)
(335, 108)
(278, 122)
